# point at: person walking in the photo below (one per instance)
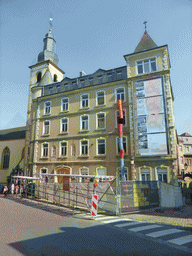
(12, 188)
(5, 191)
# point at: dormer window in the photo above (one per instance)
(38, 77)
(55, 78)
(146, 66)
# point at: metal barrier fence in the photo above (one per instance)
(137, 195)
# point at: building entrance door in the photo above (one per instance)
(64, 179)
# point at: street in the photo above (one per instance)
(29, 228)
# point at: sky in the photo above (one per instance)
(91, 34)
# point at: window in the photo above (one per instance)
(84, 101)
(162, 174)
(65, 104)
(91, 80)
(101, 120)
(84, 147)
(63, 148)
(50, 90)
(47, 107)
(124, 144)
(58, 88)
(74, 84)
(145, 177)
(120, 94)
(38, 77)
(126, 173)
(162, 177)
(146, 66)
(100, 98)
(109, 77)
(100, 79)
(84, 171)
(101, 146)
(6, 158)
(66, 87)
(123, 117)
(82, 81)
(43, 177)
(187, 149)
(119, 75)
(55, 78)
(84, 122)
(101, 171)
(64, 124)
(180, 148)
(45, 150)
(46, 127)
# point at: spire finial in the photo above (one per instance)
(145, 22)
(50, 23)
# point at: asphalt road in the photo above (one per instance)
(32, 229)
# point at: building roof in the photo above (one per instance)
(13, 133)
(145, 43)
(186, 135)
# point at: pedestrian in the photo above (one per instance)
(17, 189)
(5, 191)
(12, 188)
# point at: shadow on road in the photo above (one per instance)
(63, 211)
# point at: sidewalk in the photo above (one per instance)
(182, 217)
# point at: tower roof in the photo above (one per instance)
(48, 49)
(145, 43)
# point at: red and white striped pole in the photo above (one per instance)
(94, 205)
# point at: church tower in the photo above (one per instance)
(44, 72)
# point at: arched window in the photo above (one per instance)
(6, 158)
(38, 77)
(55, 78)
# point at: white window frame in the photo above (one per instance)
(119, 88)
(87, 147)
(116, 115)
(80, 172)
(126, 172)
(101, 168)
(142, 64)
(87, 122)
(100, 113)
(45, 108)
(42, 149)
(64, 118)
(60, 148)
(50, 90)
(119, 75)
(97, 98)
(58, 88)
(97, 143)
(42, 178)
(117, 142)
(86, 94)
(44, 128)
(64, 110)
(161, 172)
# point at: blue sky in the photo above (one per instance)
(91, 34)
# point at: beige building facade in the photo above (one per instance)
(72, 122)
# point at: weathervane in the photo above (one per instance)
(50, 22)
(145, 22)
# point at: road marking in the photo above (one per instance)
(164, 232)
(181, 240)
(115, 220)
(145, 228)
(129, 224)
(106, 218)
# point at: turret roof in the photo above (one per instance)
(145, 43)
